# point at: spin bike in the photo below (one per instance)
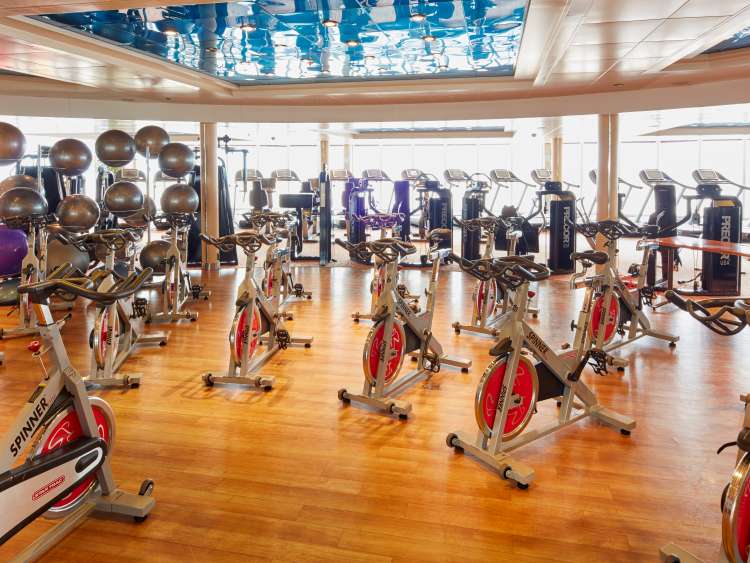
(67, 436)
(33, 270)
(612, 305)
(176, 287)
(489, 299)
(114, 335)
(504, 403)
(726, 317)
(398, 331)
(258, 320)
(386, 223)
(277, 265)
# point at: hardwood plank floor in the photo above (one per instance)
(292, 475)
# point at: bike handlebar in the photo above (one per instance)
(40, 292)
(716, 321)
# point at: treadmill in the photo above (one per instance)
(652, 177)
(505, 178)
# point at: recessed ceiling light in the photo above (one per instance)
(170, 32)
(248, 27)
(417, 17)
(428, 38)
(330, 23)
(352, 42)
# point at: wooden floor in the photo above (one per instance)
(292, 475)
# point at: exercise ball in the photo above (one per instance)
(12, 144)
(154, 255)
(59, 253)
(70, 157)
(115, 148)
(13, 248)
(152, 137)
(179, 198)
(19, 181)
(123, 198)
(22, 202)
(176, 160)
(138, 219)
(77, 213)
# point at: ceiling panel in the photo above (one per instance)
(678, 29)
(595, 52)
(621, 32)
(631, 10)
(701, 8)
(660, 49)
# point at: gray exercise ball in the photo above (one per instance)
(179, 198)
(154, 255)
(152, 137)
(139, 218)
(78, 213)
(22, 202)
(176, 160)
(115, 148)
(12, 144)
(123, 198)
(59, 253)
(70, 157)
(19, 181)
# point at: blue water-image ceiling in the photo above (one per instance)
(316, 40)
(739, 40)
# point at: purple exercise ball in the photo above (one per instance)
(13, 248)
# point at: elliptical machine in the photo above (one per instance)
(68, 437)
(398, 331)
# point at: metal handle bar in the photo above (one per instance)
(40, 292)
(717, 321)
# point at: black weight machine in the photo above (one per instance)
(314, 198)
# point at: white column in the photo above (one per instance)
(324, 152)
(557, 155)
(209, 192)
(602, 173)
(614, 148)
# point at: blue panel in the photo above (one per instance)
(262, 41)
(737, 41)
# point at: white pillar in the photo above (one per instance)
(602, 174)
(324, 152)
(557, 155)
(209, 192)
(614, 146)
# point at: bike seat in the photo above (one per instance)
(593, 256)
